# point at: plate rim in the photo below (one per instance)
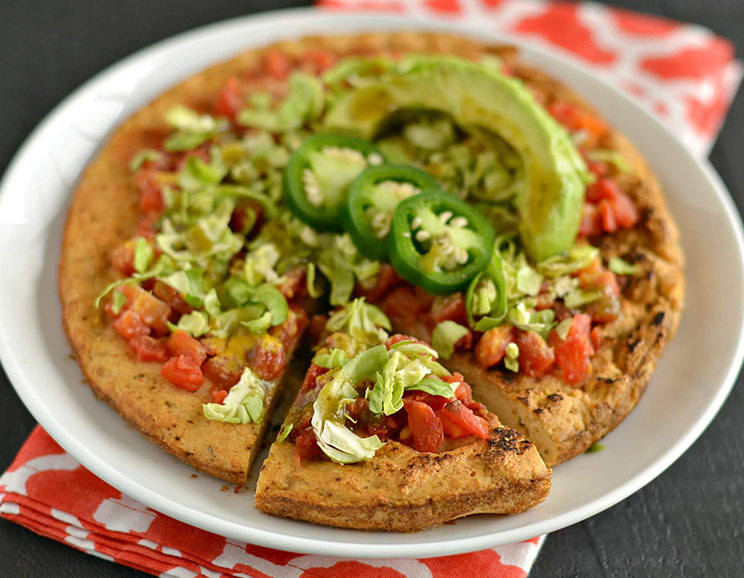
(270, 538)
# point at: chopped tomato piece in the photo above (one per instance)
(449, 308)
(219, 395)
(575, 119)
(268, 359)
(319, 59)
(171, 297)
(607, 216)
(626, 212)
(535, 357)
(596, 337)
(181, 343)
(459, 421)
(426, 429)
(591, 222)
(573, 354)
(230, 99)
(294, 283)
(290, 331)
(602, 189)
(317, 326)
(183, 372)
(148, 349)
(387, 279)
(247, 217)
(129, 324)
(306, 445)
(435, 402)
(223, 371)
(402, 304)
(151, 196)
(152, 310)
(311, 377)
(491, 347)
(123, 258)
(597, 168)
(276, 64)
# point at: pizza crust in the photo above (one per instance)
(402, 490)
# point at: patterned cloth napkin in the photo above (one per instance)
(682, 73)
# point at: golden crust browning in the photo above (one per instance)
(403, 490)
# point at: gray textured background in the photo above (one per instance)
(688, 522)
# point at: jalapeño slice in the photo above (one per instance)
(439, 242)
(318, 175)
(372, 199)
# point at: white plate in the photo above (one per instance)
(689, 386)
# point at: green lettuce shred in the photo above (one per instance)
(446, 334)
(243, 404)
(621, 267)
(304, 102)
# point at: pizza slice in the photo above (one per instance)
(382, 437)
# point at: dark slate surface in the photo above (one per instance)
(688, 522)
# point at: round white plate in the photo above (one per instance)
(690, 384)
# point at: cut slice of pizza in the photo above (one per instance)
(382, 437)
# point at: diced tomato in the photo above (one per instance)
(317, 326)
(123, 258)
(402, 304)
(463, 392)
(311, 377)
(387, 279)
(148, 349)
(535, 357)
(449, 308)
(626, 212)
(591, 222)
(151, 196)
(276, 64)
(597, 168)
(129, 324)
(181, 343)
(573, 354)
(602, 189)
(268, 359)
(183, 372)
(290, 331)
(465, 342)
(426, 429)
(223, 371)
(575, 119)
(147, 225)
(231, 98)
(200, 152)
(152, 310)
(459, 421)
(247, 217)
(607, 216)
(596, 337)
(491, 347)
(306, 446)
(435, 402)
(171, 297)
(219, 395)
(318, 59)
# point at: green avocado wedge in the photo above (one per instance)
(479, 96)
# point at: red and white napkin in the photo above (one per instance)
(50, 493)
(683, 73)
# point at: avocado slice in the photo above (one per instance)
(479, 96)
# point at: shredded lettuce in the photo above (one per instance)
(243, 404)
(190, 283)
(610, 156)
(192, 128)
(579, 298)
(528, 319)
(563, 328)
(621, 267)
(195, 323)
(303, 103)
(579, 257)
(197, 174)
(118, 301)
(331, 358)
(143, 255)
(145, 156)
(446, 334)
(364, 322)
(284, 433)
(511, 359)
